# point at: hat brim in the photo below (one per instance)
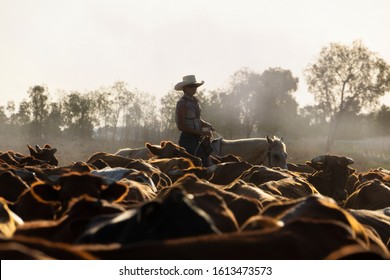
(179, 86)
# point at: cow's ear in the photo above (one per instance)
(163, 143)
(45, 193)
(32, 151)
(114, 192)
(153, 149)
(47, 146)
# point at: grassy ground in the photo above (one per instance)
(367, 153)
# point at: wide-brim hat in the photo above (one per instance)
(187, 81)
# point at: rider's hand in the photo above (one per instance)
(206, 133)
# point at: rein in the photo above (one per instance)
(268, 154)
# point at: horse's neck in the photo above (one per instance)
(251, 150)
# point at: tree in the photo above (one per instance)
(213, 111)
(240, 102)
(277, 109)
(261, 102)
(167, 113)
(150, 124)
(383, 120)
(11, 109)
(346, 76)
(54, 119)
(3, 116)
(38, 101)
(78, 114)
(22, 117)
(121, 100)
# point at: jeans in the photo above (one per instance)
(192, 144)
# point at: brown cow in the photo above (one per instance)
(379, 220)
(220, 173)
(11, 186)
(64, 188)
(138, 192)
(214, 206)
(290, 188)
(73, 222)
(168, 149)
(29, 208)
(370, 195)
(259, 174)
(302, 239)
(379, 174)
(111, 159)
(8, 158)
(242, 207)
(168, 164)
(244, 189)
(173, 216)
(45, 154)
(319, 207)
(331, 176)
(159, 178)
(218, 211)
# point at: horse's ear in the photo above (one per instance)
(282, 139)
(269, 139)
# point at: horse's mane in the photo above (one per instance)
(275, 138)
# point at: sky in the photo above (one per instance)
(151, 44)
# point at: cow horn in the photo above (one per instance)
(318, 159)
(349, 160)
(39, 149)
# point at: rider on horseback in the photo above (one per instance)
(194, 130)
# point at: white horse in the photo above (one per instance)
(267, 151)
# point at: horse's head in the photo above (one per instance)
(277, 155)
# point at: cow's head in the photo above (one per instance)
(331, 175)
(45, 154)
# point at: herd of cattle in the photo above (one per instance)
(158, 202)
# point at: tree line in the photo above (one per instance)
(346, 82)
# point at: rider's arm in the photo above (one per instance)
(206, 124)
